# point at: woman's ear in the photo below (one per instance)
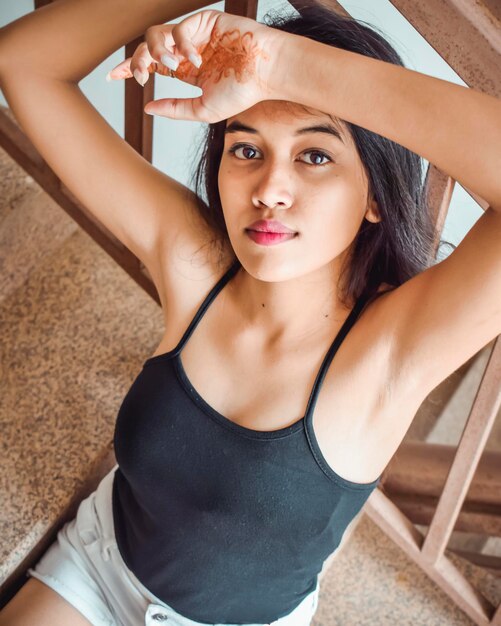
(372, 212)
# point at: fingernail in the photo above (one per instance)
(171, 63)
(108, 77)
(195, 59)
(140, 77)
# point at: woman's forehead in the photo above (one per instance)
(285, 112)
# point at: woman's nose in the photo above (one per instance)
(274, 188)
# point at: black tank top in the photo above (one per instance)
(223, 523)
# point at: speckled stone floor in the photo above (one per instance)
(373, 583)
(74, 331)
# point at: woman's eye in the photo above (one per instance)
(316, 153)
(236, 147)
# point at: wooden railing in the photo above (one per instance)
(442, 487)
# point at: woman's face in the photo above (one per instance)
(312, 182)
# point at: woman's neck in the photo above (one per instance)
(286, 312)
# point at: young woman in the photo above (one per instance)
(305, 319)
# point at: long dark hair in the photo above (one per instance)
(402, 244)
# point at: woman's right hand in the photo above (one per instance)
(238, 57)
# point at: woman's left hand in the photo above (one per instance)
(238, 58)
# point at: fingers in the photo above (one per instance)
(171, 43)
(140, 62)
(122, 70)
(167, 45)
(158, 53)
(188, 109)
(139, 65)
(161, 45)
(146, 59)
(193, 34)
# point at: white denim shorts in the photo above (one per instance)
(85, 567)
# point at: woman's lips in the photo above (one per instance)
(270, 226)
(268, 239)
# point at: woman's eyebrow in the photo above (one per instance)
(237, 126)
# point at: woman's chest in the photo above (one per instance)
(265, 392)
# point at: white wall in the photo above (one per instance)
(176, 142)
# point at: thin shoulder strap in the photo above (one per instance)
(338, 340)
(206, 303)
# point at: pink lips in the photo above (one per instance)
(269, 239)
(270, 226)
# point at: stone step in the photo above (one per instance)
(74, 332)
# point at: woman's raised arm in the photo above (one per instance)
(43, 57)
(67, 39)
